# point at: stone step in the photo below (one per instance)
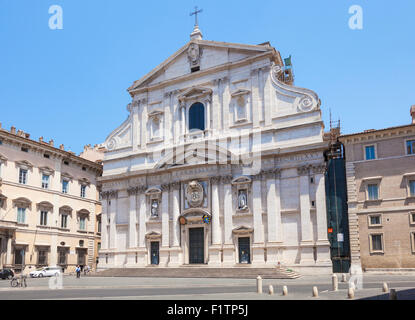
(200, 272)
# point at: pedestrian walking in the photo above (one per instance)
(78, 271)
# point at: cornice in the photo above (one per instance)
(381, 134)
(201, 73)
(38, 146)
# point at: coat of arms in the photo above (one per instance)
(194, 194)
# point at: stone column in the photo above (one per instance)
(144, 118)
(256, 103)
(323, 244)
(175, 250)
(228, 246)
(214, 249)
(226, 98)
(183, 118)
(133, 109)
(104, 222)
(216, 106)
(208, 111)
(113, 213)
(165, 227)
(132, 223)
(258, 243)
(307, 256)
(273, 216)
(142, 252)
(9, 261)
(267, 101)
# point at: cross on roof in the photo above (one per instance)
(195, 14)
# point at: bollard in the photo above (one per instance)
(344, 279)
(385, 287)
(315, 292)
(350, 293)
(259, 284)
(335, 282)
(393, 295)
(270, 290)
(284, 290)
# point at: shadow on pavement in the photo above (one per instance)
(408, 294)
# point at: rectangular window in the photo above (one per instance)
(62, 257)
(370, 152)
(65, 186)
(374, 220)
(373, 192)
(23, 176)
(21, 215)
(82, 223)
(377, 244)
(45, 181)
(42, 258)
(412, 188)
(19, 255)
(99, 226)
(412, 217)
(64, 221)
(410, 146)
(83, 191)
(43, 218)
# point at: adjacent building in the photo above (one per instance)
(48, 204)
(380, 170)
(220, 162)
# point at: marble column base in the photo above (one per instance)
(307, 253)
(258, 257)
(164, 256)
(228, 255)
(323, 254)
(176, 257)
(273, 256)
(215, 258)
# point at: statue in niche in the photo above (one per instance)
(154, 208)
(242, 200)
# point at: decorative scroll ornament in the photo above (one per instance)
(194, 194)
(111, 144)
(305, 104)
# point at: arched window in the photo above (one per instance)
(197, 116)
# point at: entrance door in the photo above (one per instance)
(154, 252)
(196, 245)
(244, 250)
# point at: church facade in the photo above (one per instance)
(219, 163)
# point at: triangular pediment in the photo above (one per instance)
(211, 54)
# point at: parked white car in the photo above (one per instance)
(46, 272)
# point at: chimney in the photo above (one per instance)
(40, 139)
(27, 135)
(19, 133)
(61, 147)
(413, 113)
(51, 142)
(13, 130)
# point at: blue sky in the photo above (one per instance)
(70, 85)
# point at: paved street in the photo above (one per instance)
(205, 289)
